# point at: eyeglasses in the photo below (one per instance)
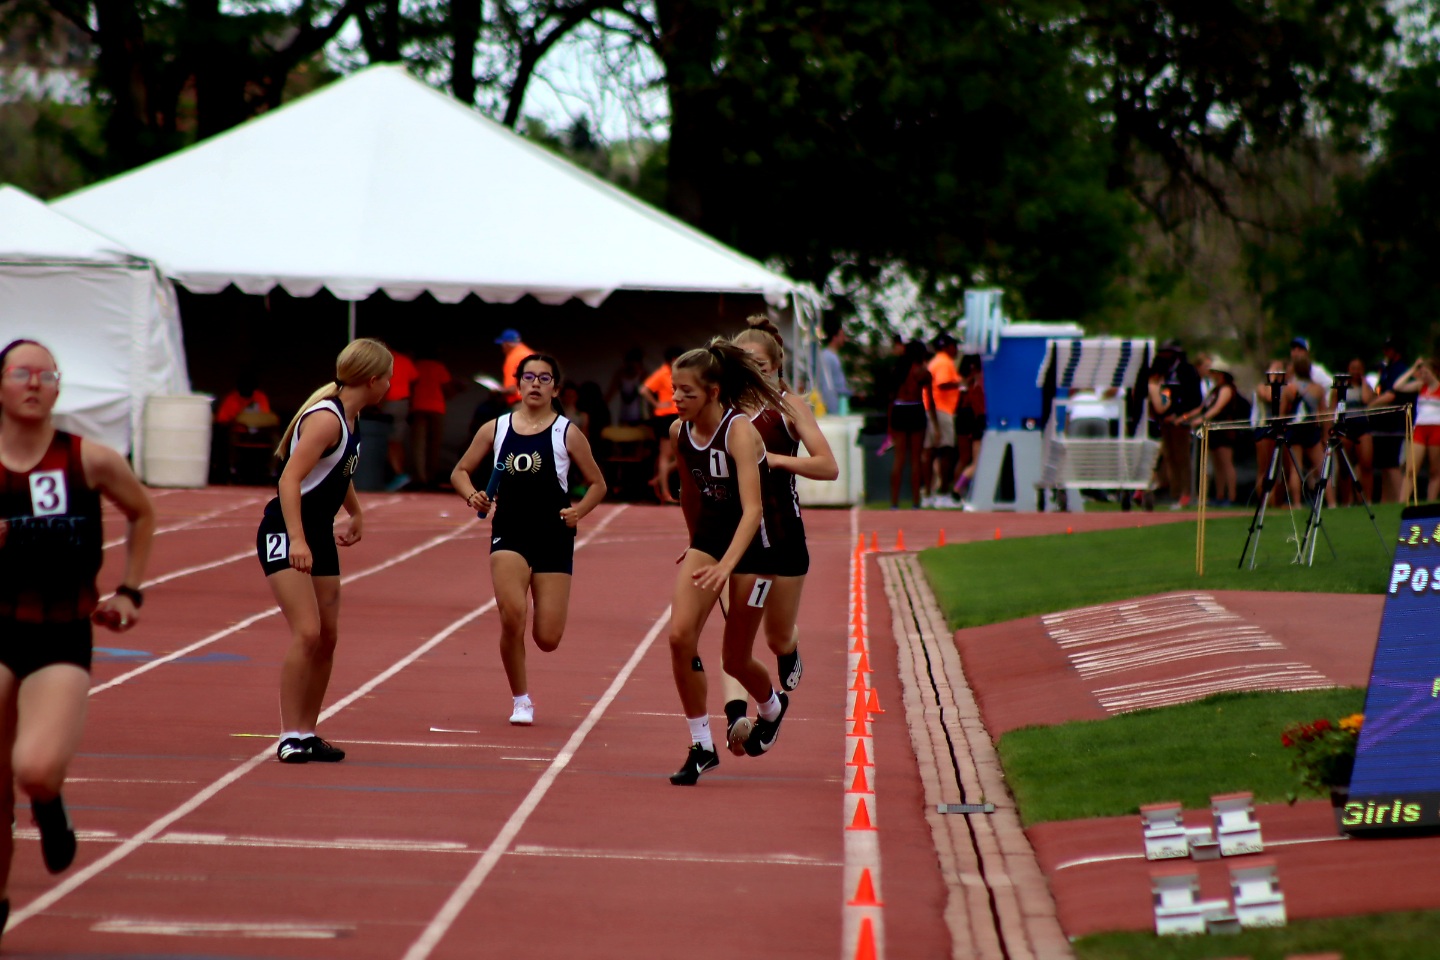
(23, 374)
(540, 378)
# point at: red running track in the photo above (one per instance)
(447, 832)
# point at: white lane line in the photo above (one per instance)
(191, 928)
(586, 853)
(435, 932)
(193, 521)
(77, 879)
(1119, 857)
(182, 838)
(198, 568)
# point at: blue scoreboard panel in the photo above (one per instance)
(1396, 783)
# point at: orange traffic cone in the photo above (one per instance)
(861, 820)
(863, 665)
(859, 684)
(900, 540)
(860, 713)
(875, 541)
(872, 705)
(860, 544)
(861, 757)
(865, 946)
(997, 533)
(859, 645)
(861, 784)
(1069, 529)
(865, 892)
(860, 728)
(941, 542)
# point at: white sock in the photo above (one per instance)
(770, 709)
(295, 735)
(524, 698)
(700, 731)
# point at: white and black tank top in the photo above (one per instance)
(534, 481)
(323, 489)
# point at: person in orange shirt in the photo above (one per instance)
(396, 406)
(247, 395)
(659, 391)
(940, 449)
(433, 387)
(515, 351)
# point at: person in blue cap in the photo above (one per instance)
(515, 351)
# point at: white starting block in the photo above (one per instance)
(1256, 892)
(1235, 825)
(1176, 909)
(1164, 831)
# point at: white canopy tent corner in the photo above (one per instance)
(109, 316)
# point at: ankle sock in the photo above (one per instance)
(700, 731)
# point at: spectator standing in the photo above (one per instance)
(1358, 444)
(515, 351)
(434, 386)
(940, 449)
(1222, 403)
(396, 406)
(625, 383)
(1307, 398)
(1181, 385)
(970, 422)
(834, 388)
(1387, 430)
(659, 391)
(912, 408)
(1424, 377)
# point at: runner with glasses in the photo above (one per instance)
(532, 534)
(51, 540)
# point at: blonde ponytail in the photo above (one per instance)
(361, 361)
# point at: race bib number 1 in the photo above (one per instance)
(760, 591)
(48, 496)
(277, 547)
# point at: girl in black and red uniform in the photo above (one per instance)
(51, 483)
(782, 432)
(297, 539)
(532, 538)
(721, 463)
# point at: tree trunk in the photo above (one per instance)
(465, 33)
(689, 34)
(120, 60)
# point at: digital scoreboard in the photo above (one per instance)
(1396, 782)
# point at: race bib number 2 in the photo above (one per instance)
(277, 547)
(48, 495)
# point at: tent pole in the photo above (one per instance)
(350, 329)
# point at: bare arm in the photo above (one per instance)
(744, 446)
(108, 472)
(820, 463)
(581, 455)
(350, 536)
(480, 447)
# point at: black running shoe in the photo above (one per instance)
(791, 668)
(762, 738)
(292, 750)
(321, 752)
(57, 836)
(697, 761)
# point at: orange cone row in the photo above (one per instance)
(859, 765)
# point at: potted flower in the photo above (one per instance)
(1323, 753)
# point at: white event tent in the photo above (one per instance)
(108, 315)
(378, 182)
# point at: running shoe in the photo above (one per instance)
(762, 738)
(697, 761)
(292, 750)
(318, 751)
(737, 733)
(57, 836)
(791, 668)
(524, 714)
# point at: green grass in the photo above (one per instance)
(1412, 935)
(995, 580)
(1108, 768)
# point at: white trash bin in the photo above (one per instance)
(177, 440)
(843, 435)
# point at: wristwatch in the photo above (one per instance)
(131, 594)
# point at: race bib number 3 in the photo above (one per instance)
(760, 591)
(277, 547)
(48, 495)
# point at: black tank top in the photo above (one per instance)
(323, 490)
(533, 484)
(713, 509)
(53, 548)
(781, 501)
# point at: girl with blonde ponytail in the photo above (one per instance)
(781, 431)
(297, 539)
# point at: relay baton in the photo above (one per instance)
(490, 488)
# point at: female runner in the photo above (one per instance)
(51, 483)
(781, 432)
(297, 539)
(532, 538)
(721, 463)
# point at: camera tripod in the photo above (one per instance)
(1335, 446)
(1280, 433)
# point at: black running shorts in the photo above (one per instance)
(272, 546)
(27, 647)
(552, 552)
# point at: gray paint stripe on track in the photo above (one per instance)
(75, 880)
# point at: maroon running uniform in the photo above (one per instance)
(710, 496)
(782, 503)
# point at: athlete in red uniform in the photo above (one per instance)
(721, 460)
(51, 483)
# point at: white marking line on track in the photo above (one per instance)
(405, 743)
(585, 853)
(193, 521)
(181, 838)
(77, 879)
(262, 931)
(440, 925)
(1119, 857)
